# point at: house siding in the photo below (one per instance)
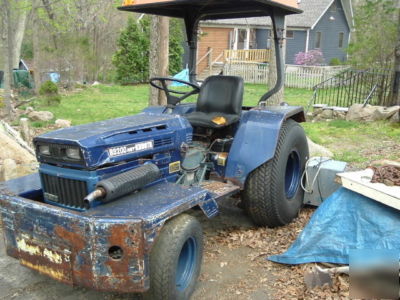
(295, 45)
(212, 37)
(330, 30)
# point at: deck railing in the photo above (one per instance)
(251, 72)
(254, 55)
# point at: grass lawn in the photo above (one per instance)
(107, 102)
(358, 143)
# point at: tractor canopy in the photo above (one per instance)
(211, 9)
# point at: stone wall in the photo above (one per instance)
(357, 112)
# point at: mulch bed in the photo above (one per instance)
(389, 175)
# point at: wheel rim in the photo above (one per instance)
(186, 264)
(292, 174)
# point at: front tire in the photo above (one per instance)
(273, 195)
(175, 259)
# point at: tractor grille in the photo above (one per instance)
(163, 142)
(64, 191)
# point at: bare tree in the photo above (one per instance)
(159, 54)
(8, 46)
(20, 16)
(396, 80)
(36, 46)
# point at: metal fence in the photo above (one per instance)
(355, 86)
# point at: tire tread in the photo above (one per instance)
(261, 187)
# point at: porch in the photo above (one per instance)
(212, 63)
(252, 55)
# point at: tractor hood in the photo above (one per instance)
(115, 140)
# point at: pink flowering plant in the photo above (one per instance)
(310, 58)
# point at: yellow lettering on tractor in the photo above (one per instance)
(56, 274)
(139, 2)
(128, 2)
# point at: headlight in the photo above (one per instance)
(73, 153)
(44, 150)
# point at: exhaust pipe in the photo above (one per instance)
(123, 184)
(96, 194)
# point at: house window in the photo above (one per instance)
(341, 39)
(290, 34)
(318, 39)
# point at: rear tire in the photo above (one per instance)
(273, 195)
(175, 259)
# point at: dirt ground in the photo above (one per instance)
(234, 266)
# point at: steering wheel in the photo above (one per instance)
(172, 100)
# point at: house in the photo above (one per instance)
(324, 25)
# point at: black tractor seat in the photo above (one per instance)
(219, 103)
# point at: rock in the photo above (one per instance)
(357, 112)
(60, 123)
(96, 83)
(318, 150)
(44, 116)
(384, 113)
(9, 148)
(326, 114)
(15, 160)
(29, 109)
(339, 115)
(8, 170)
(395, 118)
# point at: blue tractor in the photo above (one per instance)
(107, 208)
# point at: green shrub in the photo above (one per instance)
(132, 57)
(49, 91)
(176, 39)
(48, 88)
(335, 62)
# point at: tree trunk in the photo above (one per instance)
(159, 56)
(19, 36)
(8, 46)
(36, 47)
(396, 80)
(273, 76)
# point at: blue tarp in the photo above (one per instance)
(184, 75)
(345, 221)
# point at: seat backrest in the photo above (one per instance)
(223, 94)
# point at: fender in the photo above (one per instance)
(256, 139)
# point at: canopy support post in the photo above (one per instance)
(192, 31)
(278, 22)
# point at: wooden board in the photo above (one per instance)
(360, 182)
